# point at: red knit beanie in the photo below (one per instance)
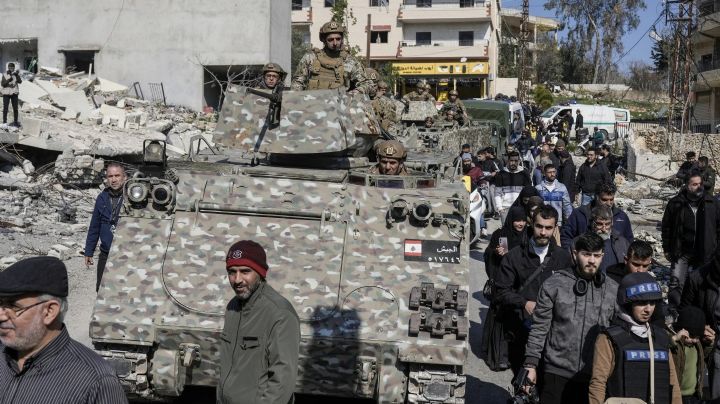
(247, 253)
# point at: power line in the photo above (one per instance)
(640, 39)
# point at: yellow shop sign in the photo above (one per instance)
(441, 68)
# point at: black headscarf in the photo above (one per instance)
(514, 239)
(526, 192)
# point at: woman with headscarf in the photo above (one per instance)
(512, 234)
(524, 197)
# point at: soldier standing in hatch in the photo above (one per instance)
(273, 75)
(421, 94)
(391, 158)
(260, 343)
(383, 107)
(454, 104)
(330, 67)
(104, 219)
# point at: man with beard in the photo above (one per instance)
(690, 230)
(581, 219)
(572, 306)
(105, 218)
(508, 184)
(616, 246)
(468, 168)
(521, 273)
(260, 342)
(40, 363)
(330, 67)
(590, 176)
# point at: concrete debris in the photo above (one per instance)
(82, 169)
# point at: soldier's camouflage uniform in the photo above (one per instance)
(414, 96)
(385, 111)
(318, 70)
(457, 106)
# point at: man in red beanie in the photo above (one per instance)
(260, 343)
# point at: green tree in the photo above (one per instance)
(298, 46)
(599, 26)
(576, 68)
(659, 55)
(548, 63)
(542, 96)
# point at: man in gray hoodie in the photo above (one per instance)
(571, 308)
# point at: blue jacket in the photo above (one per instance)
(101, 224)
(558, 198)
(579, 222)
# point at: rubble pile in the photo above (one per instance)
(40, 210)
(653, 138)
(61, 112)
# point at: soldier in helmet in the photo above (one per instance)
(421, 94)
(273, 75)
(374, 78)
(332, 66)
(383, 107)
(391, 158)
(453, 103)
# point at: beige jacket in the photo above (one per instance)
(604, 364)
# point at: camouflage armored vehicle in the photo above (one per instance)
(375, 266)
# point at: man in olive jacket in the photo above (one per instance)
(260, 343)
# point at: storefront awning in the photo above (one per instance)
(441, 68)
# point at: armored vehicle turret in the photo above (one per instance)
(376, 266)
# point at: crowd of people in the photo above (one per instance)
(575, 310)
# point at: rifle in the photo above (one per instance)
(273, 115)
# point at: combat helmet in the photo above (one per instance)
(275, 68)
(453, 92)
(382, 85)
(423, 84)
(372, 74)
(332, 27)
(391, 149)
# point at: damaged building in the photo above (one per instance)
(178, 52)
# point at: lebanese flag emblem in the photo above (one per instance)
(413, 248)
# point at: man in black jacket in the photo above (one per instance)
(609, 159)
(567, 173)
(690, 231)
(688, 166)
(637, 259)
(521, 273)
(703, 291)
(590, 175)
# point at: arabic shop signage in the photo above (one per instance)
(441, 68)
(439, 251)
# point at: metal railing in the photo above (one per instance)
(708, 126)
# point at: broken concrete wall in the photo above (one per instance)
(155, 41)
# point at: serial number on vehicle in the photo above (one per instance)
(439, 251)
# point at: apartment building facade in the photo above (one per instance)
(706, 51)
(149, 42)
(452, 44)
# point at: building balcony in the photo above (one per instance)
(438, 11)
(410, 50)
(708, 75)
(302, 16)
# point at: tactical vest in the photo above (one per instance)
(631, 376)
(327, 72)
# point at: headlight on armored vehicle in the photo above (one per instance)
(137, 192)
(422, 211)
(162, 194)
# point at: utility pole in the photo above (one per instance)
(523, 68)
(679, 15)
(368, 40)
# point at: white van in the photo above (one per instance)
(602, 116)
